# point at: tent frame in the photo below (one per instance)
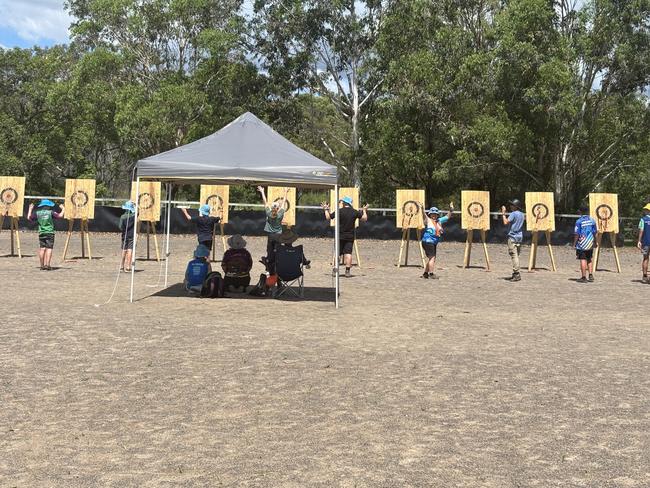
(168, 184)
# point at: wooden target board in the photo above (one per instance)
(218, 197)
(409, 209)
(351, 192)
(475, 208)
(149, 200)
(12, 195)
(603, 208)
(540, 211)
(79, 199)
(275, 194)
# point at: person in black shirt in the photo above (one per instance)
(204, 225)
(348, 216)
(127, 226)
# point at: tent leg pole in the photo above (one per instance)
(135, 236)
(168, 217)
(336, 250)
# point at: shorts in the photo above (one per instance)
(585, 255)
(127, 243)
(46, 241)
(207, 244)
(346, 246)
(430, 249)
(645, 250)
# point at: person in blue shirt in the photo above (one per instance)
(431, 237)
(515, 222)
(585, 240)
(644, 242)
(197, 269)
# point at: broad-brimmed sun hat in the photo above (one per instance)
(236, 242)
(288, 237)
(46, 203)
(201, 251)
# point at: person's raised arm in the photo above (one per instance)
(364, 210)
(425, 219)
(284, 198)
(326, 209)
(30, 212)
(186, 213)
(261, 190)
(62, 212)
(503, 215)
(451, 210)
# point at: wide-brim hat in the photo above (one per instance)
(46, 203)
(515, 202)
(236, 242)
(288, 236)
(204, 210)
(347, 200)
(201, 251)
(432, 211)
(129, 205)
(647, 207)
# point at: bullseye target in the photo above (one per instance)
(79, 199)
(540, 211)
(603, 208)
(148, 200)
(12, 195)
(218, 198)
(275, 194)
(409, 209)
(475, 207)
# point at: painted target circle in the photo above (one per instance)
(8, 196)
(604, 212)
(287, 205)
(215, 202)
(79, 199)
(145, 201)
(475, 210)
(540, 211)
(410, 208)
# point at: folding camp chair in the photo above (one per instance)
(288, 268)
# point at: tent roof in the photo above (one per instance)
(246, 150)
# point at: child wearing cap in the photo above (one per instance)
(204, 225)
(127, 226)
(45, 216)
(515, 223)
(585, 233)
(348, 216)
(431, 237)
(644, 242)
(197, 269)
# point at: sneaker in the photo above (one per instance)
(347, 272)
(515, 277)
(582, 280)
(645, 280)
(425, 275)
(433, 276)
(591, 278)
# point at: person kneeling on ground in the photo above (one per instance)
(197, 270)
(237, 263)
(432, 236)
(45, 216)
(585, 239)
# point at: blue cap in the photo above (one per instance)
(347, 200)
(128, 205)
(204, 210)
(201, 251)
(46, 203)
(433, 210)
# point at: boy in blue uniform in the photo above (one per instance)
(515, 222)
(431, 237)
(585, 240)
(644, 242)
(197, 269)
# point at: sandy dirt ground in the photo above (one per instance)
(468, 381)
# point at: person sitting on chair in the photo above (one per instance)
(237, 263)
(287, 238)
(197, 269)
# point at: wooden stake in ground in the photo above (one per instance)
(475, 215)
(12, 200)
(540, 217)
(603, 208)
(409, 215)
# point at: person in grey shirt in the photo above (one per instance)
(274, 215)
(515, 222)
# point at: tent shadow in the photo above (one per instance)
(312, 294)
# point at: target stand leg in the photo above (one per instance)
(485, 250)
(223, 237)
(155, 240)
(84, 224)
(468, 248)
(550, 250)
(408, 244)
(612, 238)
(599, 238)
(401, 246)
(214, 247)
(533, 251)
(82, 233)
(356, 251)
(418, 234)
(14, 231)
(67, 239)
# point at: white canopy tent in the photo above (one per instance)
(245, 151)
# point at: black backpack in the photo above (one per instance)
(213, 286)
